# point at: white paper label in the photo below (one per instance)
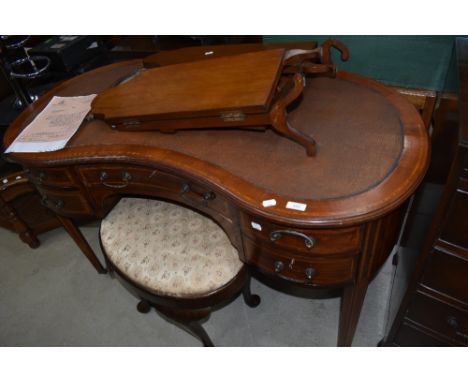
(296, 206)
(269, 203)
(54, 126)
(256, 226)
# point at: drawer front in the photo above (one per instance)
(408, 335)
(464, 173)
(67, 203)
(313, 270)
(455, 225)
(305, 241)
(144, 181)
(56, 177)
(117, 177)
(439, 317)
(447, 274)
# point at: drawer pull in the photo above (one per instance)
(41, 177)
(310, 273)
(126, 178)
(57, 204)
(309, 241)
(205, 196)
(37, 178)
(279, 266)
(455, 325)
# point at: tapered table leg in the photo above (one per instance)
(80, 240)
(351, 304)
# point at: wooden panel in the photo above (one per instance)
(194, 89)
(423, 100)
(446, 273)
(67, 203)
(124, 179)
(115, 176)
(442, 318)
(444, 138)
(464, 174)
(326, 241)
(326, 270)
(455, 230)
(60, 177)
(409, 335)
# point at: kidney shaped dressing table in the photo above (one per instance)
(347, 201)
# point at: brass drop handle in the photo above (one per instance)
(126, 178)
(309, 241)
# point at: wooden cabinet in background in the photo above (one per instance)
(434, 311)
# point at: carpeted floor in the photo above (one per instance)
(52, 296)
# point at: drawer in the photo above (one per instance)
(463, 184)
(306, 241)
(464, 173)
(57, 177)
(67, 203)
(409, 335)
(447, 274)
(145, 181)
(313, 269)
(455, 225)
(439, 317)
(117, 177)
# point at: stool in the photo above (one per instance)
(175, 260)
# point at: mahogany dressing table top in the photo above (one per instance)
(372, 150)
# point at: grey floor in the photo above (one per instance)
(51, 296)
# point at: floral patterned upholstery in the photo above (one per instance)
(168, 249)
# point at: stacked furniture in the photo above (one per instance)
(434, 311)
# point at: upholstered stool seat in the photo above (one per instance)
(175, 257)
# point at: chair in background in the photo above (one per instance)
(423, 100)
(175, 260)
(21, 210)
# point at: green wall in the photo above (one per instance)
(411, 61)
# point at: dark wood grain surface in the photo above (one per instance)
(243, 82)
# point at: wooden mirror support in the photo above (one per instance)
(249, 90)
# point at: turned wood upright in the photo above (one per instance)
(372, 152)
